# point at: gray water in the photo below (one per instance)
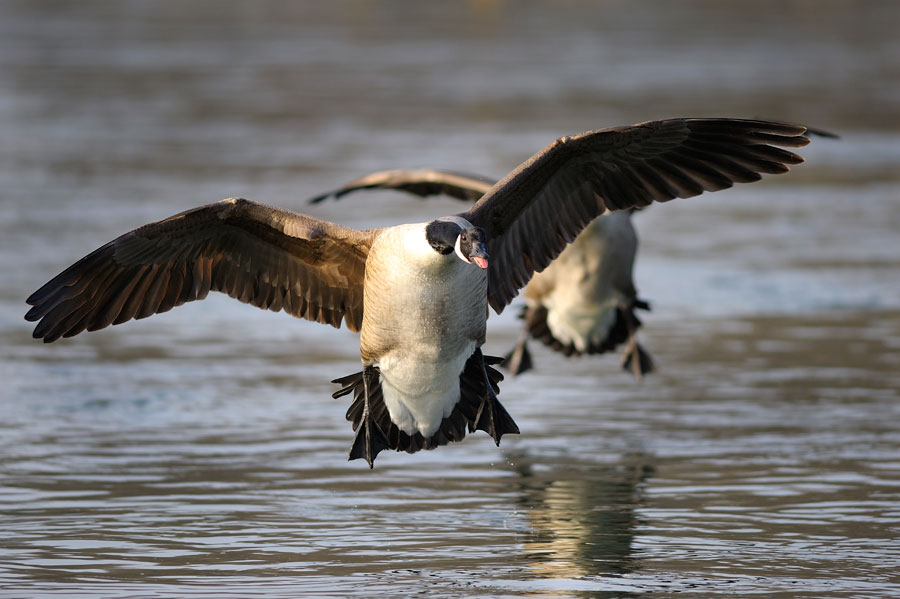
(198, 453)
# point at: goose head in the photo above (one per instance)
(455, 234)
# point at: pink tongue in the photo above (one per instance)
(482, 262)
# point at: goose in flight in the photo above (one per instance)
(418, 293)
(583, 303)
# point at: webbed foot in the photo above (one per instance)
(635, 358)
(519, 359)
(492, 417)
(370, 439)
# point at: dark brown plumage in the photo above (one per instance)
(264, 256)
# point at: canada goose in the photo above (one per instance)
(417, 293)
(583, 303)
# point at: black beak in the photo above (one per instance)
(479, 254)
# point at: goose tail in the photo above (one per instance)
(479, 380)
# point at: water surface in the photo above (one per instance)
(198, 453)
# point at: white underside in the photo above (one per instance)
(581, 325)
(419, 395)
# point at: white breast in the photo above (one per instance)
(425, 313)
(589, 280)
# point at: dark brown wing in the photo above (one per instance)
(268, 257)
(421, 182)
(543, 204)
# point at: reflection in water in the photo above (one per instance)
(582, 515)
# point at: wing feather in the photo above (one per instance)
(271, 258)
(545, 202)
(420, 182)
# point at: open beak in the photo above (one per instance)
(479, 255)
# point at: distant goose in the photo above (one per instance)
(583, 303)
(417, 293)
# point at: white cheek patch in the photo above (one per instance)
(458, 249)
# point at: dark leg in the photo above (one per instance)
(635, 359)
(370, 439)
(492, 417)
(519, 359)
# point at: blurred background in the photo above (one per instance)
(199, 450)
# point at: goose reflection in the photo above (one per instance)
(582, 516)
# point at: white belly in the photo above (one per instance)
(420, 394)
(425, 313)
(584, 287)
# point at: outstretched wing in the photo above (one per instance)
(421, 182)
(272, 258)
(542, 205)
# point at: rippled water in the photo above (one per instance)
(198, 453)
